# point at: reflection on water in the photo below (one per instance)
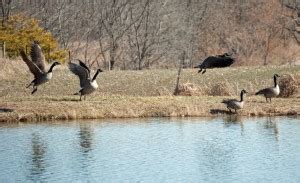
(85, 137)
(271, 124)
(234, 120)
(229, 149)
(37, 156)
(85, 159)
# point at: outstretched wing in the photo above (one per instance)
(215, 62)
(83, 65)
(37, 56)
(81, 72)
(35, 70)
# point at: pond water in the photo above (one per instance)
(153, 150)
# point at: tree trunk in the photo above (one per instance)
(176, 91)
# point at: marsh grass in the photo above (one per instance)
(145, 93)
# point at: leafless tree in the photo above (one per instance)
(139, 34)
(5, 6)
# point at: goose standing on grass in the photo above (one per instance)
(272, 91)
(217, 61)
(37, 66)
(234, 103)
(88, 85)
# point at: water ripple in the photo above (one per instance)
(153, 150)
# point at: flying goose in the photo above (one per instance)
(234, 103)
(272, 91)
(88, 85)
(217, 61)
(37, 66)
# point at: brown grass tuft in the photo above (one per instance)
(221, 89)
(189, 89)
(288, 86)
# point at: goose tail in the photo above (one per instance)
(257, 93)
(225, 101)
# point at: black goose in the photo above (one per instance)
(217, 61)
(37, 66)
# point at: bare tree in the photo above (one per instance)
(144, 36)
(5, 6)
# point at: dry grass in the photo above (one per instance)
(288, 86)
(189, 89)
(114, 106)
(139, 93)
(221, 89)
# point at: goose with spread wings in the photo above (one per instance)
(37, 66)
(88, 85)
(217, 61)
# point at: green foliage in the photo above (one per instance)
(19, 32)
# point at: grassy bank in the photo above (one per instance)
(137, 94)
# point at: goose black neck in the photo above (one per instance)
(51, 68)
(275, 81)
(95, 76)
(242, 96)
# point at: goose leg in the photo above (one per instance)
(266, 99)
(270, 100)
(204, 71)
(200, 71)
(34, 90)
(229, 109)
(80, 98)
(29, 85)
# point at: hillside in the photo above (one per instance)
(138, 93)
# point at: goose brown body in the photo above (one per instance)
(234, 103)
(88, 85)
(37, 66)
(270, 92)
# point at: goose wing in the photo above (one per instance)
(83, 65)
(229, 101)
(81, 72)
(232, 103)
(37, 56)
(35, 70)
(216, 61)
(264, 91)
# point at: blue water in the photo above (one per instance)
(153, 150)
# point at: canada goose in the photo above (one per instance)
(217, 61)
(37, 66)
(88, 85)
(272, 91)
(234, 103)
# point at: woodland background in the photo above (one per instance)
(145, 34)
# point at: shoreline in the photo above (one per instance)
(138, 94)
(107, 107)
